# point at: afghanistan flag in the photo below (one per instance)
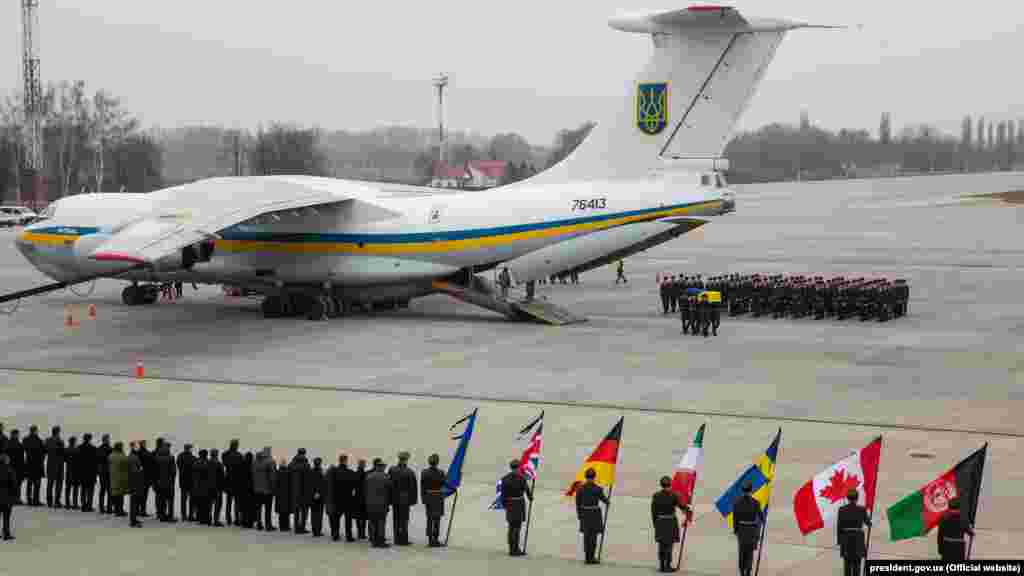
(817, 502)
(685, 477)
(602, 460)
(918, 513)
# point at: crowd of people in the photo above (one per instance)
(794, 296)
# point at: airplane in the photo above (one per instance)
(648, 173)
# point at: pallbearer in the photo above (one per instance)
(666, 525)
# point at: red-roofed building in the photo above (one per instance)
(476, 174)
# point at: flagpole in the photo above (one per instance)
(451, 518)
(529, 513)
(867, 546)
(764, 526)
(607, 507)
(682, 544)
(760, 545)
(977, 496)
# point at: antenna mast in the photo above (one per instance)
(33, 95)
(440, 82)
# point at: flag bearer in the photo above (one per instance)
(514, 490)
(588, 510)
(746, 524)
(850, 533)
(951, 534)
(666, 527)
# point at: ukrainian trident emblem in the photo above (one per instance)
(652, 107)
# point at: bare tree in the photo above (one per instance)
(110, 124)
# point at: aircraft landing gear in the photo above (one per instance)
(135, 295)
(316, 308)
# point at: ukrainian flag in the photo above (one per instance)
(760, 475)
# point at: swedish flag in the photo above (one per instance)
(760, 475)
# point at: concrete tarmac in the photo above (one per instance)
(937, 385)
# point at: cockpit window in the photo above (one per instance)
(705, 180)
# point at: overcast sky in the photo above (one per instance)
(531, 66)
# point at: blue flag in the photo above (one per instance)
(454, 473)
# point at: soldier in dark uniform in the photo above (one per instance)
(588, 511)
(16, 456)
(136, 485)
(663, 292)
(103, 452)
(405, 495)
(684, 316)
(70, 474)
(246, 504)
(850, 534)
(746, 525)
(432, 481)
(514, 491)
(715, 317)
(666, 525)
(358, 510)
(201, 488)
(149, 470)
(7, 488)
(234, 485)
(87, 471)
(165, 476)
(217, 481)
(704, 314)
(378, 498)
(283, 501)
(341, 484)
(318, 487)
(302, 493)
(263, 485)
(35, 456)
(951, 539)
(186, 462)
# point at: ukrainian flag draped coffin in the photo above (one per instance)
(602, 460)
(760, 475)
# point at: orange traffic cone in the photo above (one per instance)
(92, 310)
(140, 372)
(69, 317)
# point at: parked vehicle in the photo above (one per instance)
(16, 216)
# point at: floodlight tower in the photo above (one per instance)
(440, 82)
(32, 93)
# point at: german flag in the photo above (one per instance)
(602, 460)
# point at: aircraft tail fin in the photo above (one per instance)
(706, 64)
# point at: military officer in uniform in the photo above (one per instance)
(35, 455)
(514, 491)
(318, 485)
(588, 511)
(378, 499)
(666, 526)
(432, 481)
(952, 527)
(186, 462)
(103, 461)
(746, 525)
(341, 486)
(7, 487)
(405, 495)
(850, 533)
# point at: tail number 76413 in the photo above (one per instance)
(590, 204)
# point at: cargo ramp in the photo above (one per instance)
(540, 311)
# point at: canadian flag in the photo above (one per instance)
(817, 502)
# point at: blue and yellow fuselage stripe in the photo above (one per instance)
(238, 239)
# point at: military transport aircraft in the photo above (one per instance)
(317, 246)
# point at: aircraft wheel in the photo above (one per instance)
(129, 296)
(333, 307)
(148, 295)
(317, 309)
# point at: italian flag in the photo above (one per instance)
(918, 513)
(817, 502)
(685, 477)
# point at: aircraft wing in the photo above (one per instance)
(185, 215)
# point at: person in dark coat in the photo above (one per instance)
(378, 498)
(120, 479)
(103, 452)
(7, 487)
(3, 439)
(405, 495)
(951, 534)
(246, 500)
(746, 525)
(341, 485)
(86, 464)
(432, 482)
(186, 463)
(263, 485)
(149, 474)
(302, 492)
(201, 488)
(850, 533)
(283, 495)
(165, 476)
(666, 524)
(35, 457)
(54, 468)
(318, 486)
(588, 511)
(235, 474)
(514, 491)
(358, 510)
(16, 460)
(137, 486)
(71, 474)
(217, 480)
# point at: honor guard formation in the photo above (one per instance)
(246, 491)
(782, 296)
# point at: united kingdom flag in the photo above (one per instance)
(529, 461)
